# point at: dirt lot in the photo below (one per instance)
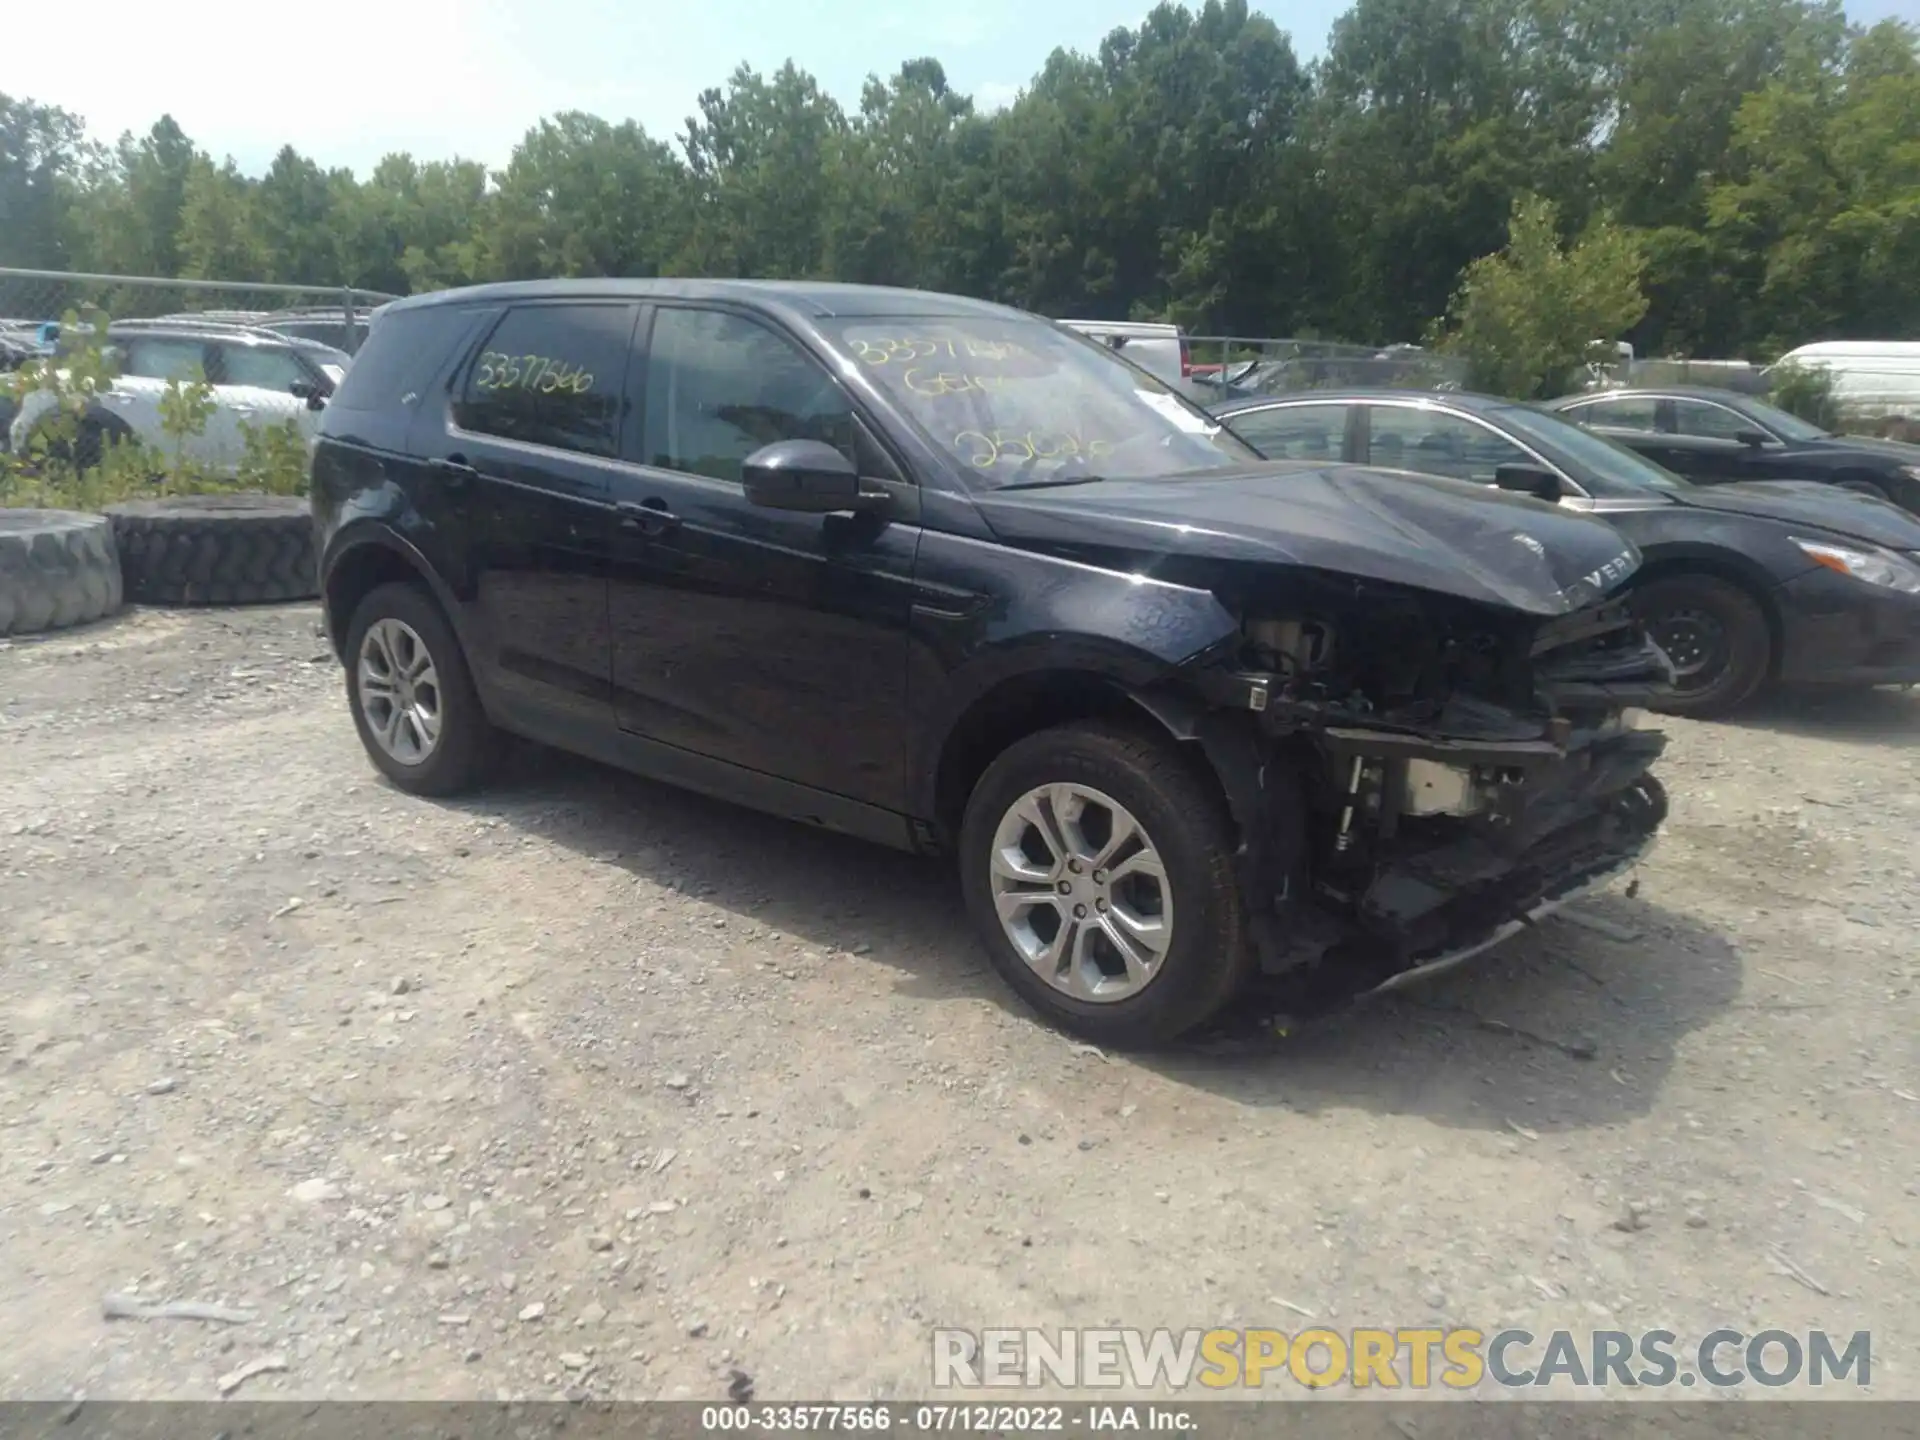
(593, 1086)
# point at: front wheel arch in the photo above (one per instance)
(1749, 650)
(1756, 590)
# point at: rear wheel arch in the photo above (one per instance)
(360, 565)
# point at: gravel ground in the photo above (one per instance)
(588, 1086)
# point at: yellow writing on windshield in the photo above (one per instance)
(935, 383)
(542, 374)
(984, 449)
(905, 349)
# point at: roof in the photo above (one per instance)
(815, 298)
(1679, 392)
(231, 330)
(1459, 399)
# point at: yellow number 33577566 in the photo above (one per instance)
(538, 373)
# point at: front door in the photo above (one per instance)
(529, 452)
(252, 391)
(1704, 443)
(771, 639)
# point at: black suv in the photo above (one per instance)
(946, 576)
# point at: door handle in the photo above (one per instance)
(454, 472)
(649, 516)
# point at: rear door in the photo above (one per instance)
(148, 365)
(528, 451)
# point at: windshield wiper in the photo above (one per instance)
(1053, 481)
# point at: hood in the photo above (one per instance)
(1445, 536)
(1813, 505)
(1898, 451)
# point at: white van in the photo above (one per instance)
(1160, 350)
(1871, 378)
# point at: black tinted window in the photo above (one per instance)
(404, 351)
(1627, 412)
(1709, 421)
(720, 386)
(551, 375)
(1294, 432)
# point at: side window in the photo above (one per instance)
(720, 386)
(551, 375)
(158, 357)
(259, 366)
(1708, 421)
(1629, 412)
(1295, 432)
(1432, 443)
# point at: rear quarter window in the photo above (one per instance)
(403, 355)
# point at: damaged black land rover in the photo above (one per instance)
(942, 575)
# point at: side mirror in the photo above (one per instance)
(1752, 439)
(1532, 480)
(805, 475)
(307, 390)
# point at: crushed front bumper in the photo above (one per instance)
(1429, 911)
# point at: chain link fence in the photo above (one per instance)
(1239, 364)
(33, 304)
(120, 386)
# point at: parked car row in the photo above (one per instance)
(1742, 582)
(257, 378)
(1715, 436)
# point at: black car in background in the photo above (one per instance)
(1714, 436)
(1743, 583)
(943, 575)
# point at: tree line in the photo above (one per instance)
(1752, 167)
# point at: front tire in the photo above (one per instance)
(412, 694)
(1097, 864)
(1716, 635)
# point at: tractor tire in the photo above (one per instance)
(57, 568)
(217, 549)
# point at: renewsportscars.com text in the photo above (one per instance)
(1412, 1359)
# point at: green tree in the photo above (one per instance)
(767, 156)
(582, 197)
(1527, 318)
(1825, 197)
(42, 152)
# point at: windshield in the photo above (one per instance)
(1787, 427)
(1018, 402)
(1598, 463)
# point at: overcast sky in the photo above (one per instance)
(348, 81)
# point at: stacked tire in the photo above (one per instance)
(57, 568)
(216, 549)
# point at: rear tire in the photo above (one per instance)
(1184, 925)
(412, 694)
(1715, 633)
